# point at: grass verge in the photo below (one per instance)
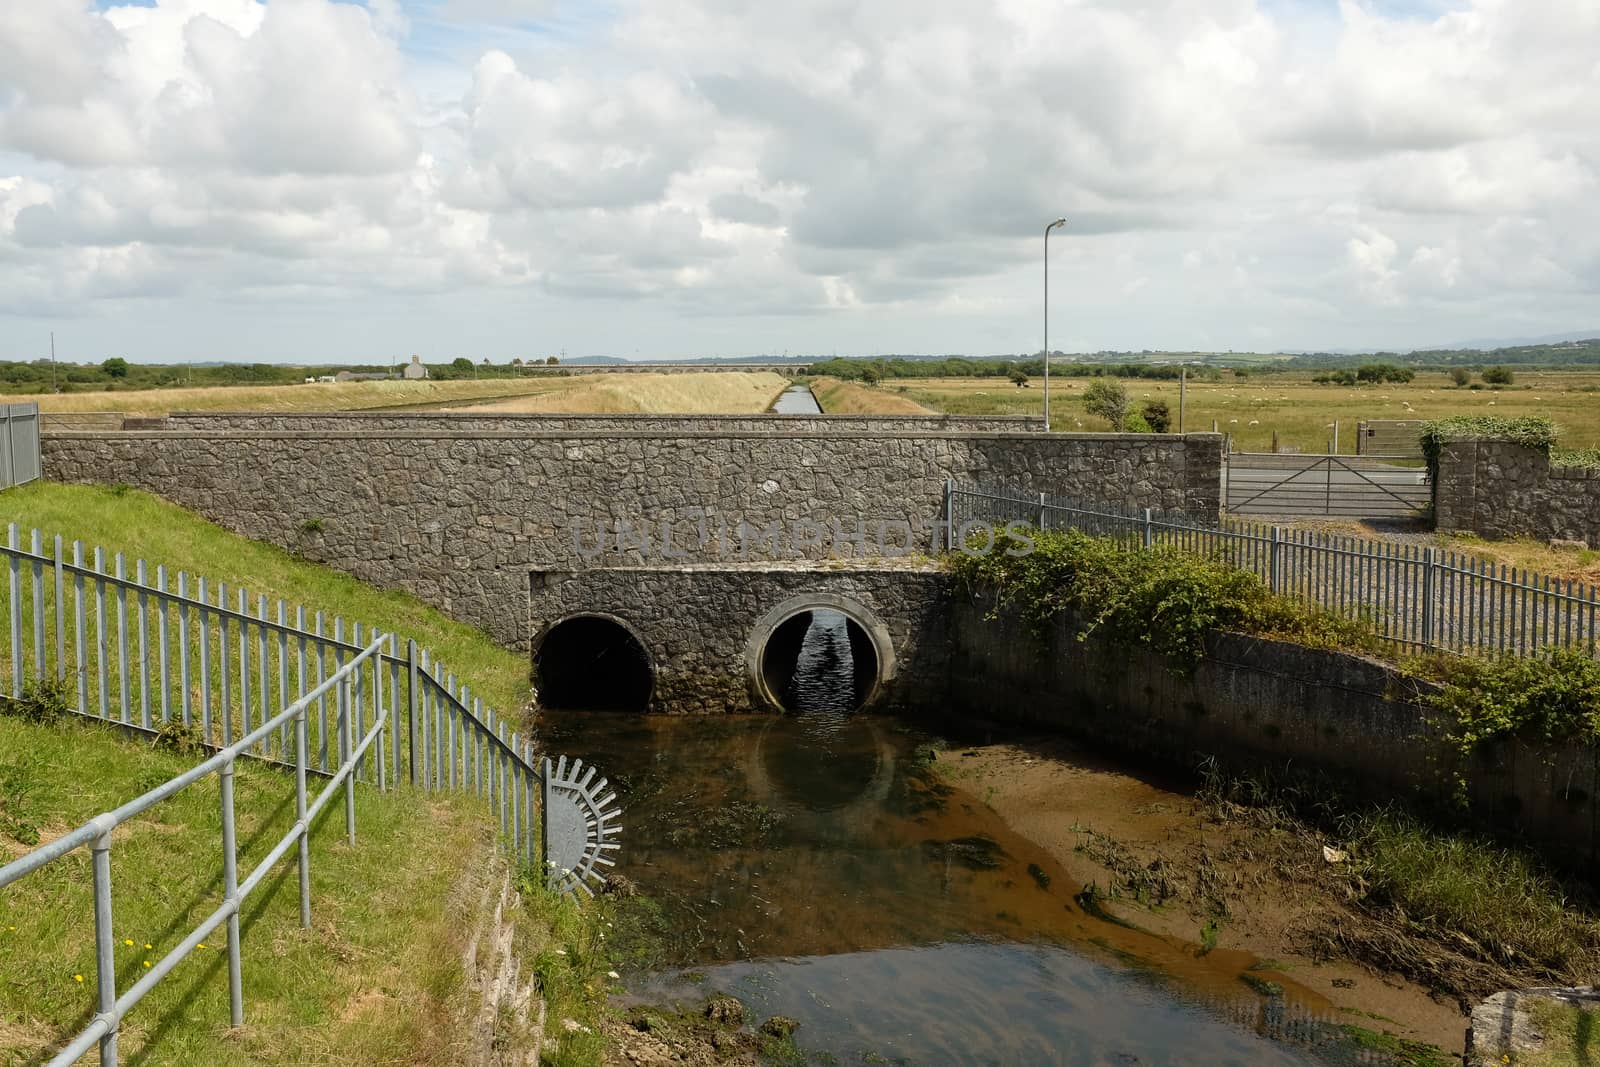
(373, 981)
(145, 526)
(850, 398)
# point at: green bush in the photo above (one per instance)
(1498, 375)
(1552, 697)
(1532, 431)
(1158, 597)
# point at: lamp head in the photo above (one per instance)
(1058, 222)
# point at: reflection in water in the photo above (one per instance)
(810, 865)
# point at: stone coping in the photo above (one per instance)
(578, 434)
(910, 564)
(578, 416)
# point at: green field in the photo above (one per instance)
(1301, 413)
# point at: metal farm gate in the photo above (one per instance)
(19, 444)
(1298, 486)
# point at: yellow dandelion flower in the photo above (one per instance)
(128, 941)
(201, 945)
(148, 945)
(77, 978)
(147, 963)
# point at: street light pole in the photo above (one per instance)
(1047, 229)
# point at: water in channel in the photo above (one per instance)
(811, 866)
(797, 400)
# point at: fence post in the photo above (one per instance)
(1428, 563)
(1043, 517)
(230, 893)
(105, 963)
(1274, 551)
(347, 749)
(1148, 532)
(411, 728)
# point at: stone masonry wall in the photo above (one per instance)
(503, 422)
(1498, 490)
(460, 518)
(695, 622)
(1254, 703)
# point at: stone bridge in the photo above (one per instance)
(512, 524)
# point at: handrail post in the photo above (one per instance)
(1428, 563)
(230, 893)
(301, 746)
(347, 748)
(546, 773)
(105, 963)
(412, 693)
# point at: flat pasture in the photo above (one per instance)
(1301, 412)
(694, 393)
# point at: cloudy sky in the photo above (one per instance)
(309, 179)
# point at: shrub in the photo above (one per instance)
(1107, 398)
(1498, 375)
(1531, 431)
(1136, 424)
(1460, 376)
(1019, 378)
(1158, 415)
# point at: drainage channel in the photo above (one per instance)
(811, 865)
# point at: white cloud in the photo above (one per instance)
(842, 173)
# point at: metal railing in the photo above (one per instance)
(97, 835)
(19, 444)
(1416, 596)
(155, 654)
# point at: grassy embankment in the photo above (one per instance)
(380, 971)
(852, 398)
(1461, 912)
(144, 526)
(1299, 411)
(694, 393)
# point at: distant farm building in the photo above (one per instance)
(415, 369)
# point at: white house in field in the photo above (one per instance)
(415, 369)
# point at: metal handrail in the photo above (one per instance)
(97, 834)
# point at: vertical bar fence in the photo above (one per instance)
(1416, 596)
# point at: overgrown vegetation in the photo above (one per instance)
(1531, 431)
(1551, 697)
(1158, 597)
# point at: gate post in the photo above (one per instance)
(411, 723)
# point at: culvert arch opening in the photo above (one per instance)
(819, 655)
(592, 662)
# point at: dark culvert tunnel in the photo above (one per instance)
(592, 663)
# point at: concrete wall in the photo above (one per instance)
(460, 518)
(1255, 702)
(538, 422)
(1497, 489)
(697, 622)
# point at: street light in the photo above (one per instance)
(1047, 229)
